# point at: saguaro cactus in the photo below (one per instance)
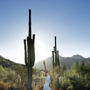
(29, 53)
(55, 55)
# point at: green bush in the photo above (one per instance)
(2, 69)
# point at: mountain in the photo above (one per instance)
(77, 57)
(67, 61)
(6, 63)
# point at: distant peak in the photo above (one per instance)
(77, 56)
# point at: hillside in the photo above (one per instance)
(15, 75)
(12, 74)
(67, 61)
(6, 63)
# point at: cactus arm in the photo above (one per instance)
(33, 38)
(25, 52)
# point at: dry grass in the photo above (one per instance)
(3, 86)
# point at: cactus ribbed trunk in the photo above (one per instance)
(30, 78)
(53, 58)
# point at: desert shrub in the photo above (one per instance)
(2, 69)
(3, 86)
(78, 77)
(22, 71)
(12, 77)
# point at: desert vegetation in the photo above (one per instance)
(61, 78)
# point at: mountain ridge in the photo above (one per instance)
(67, 61)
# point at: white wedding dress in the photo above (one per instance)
(47, 81)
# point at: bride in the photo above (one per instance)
(47, 78)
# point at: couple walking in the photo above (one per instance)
(47, 78)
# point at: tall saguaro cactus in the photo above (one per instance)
(55, 55)
(29, 53)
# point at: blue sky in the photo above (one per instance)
(69, 20)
